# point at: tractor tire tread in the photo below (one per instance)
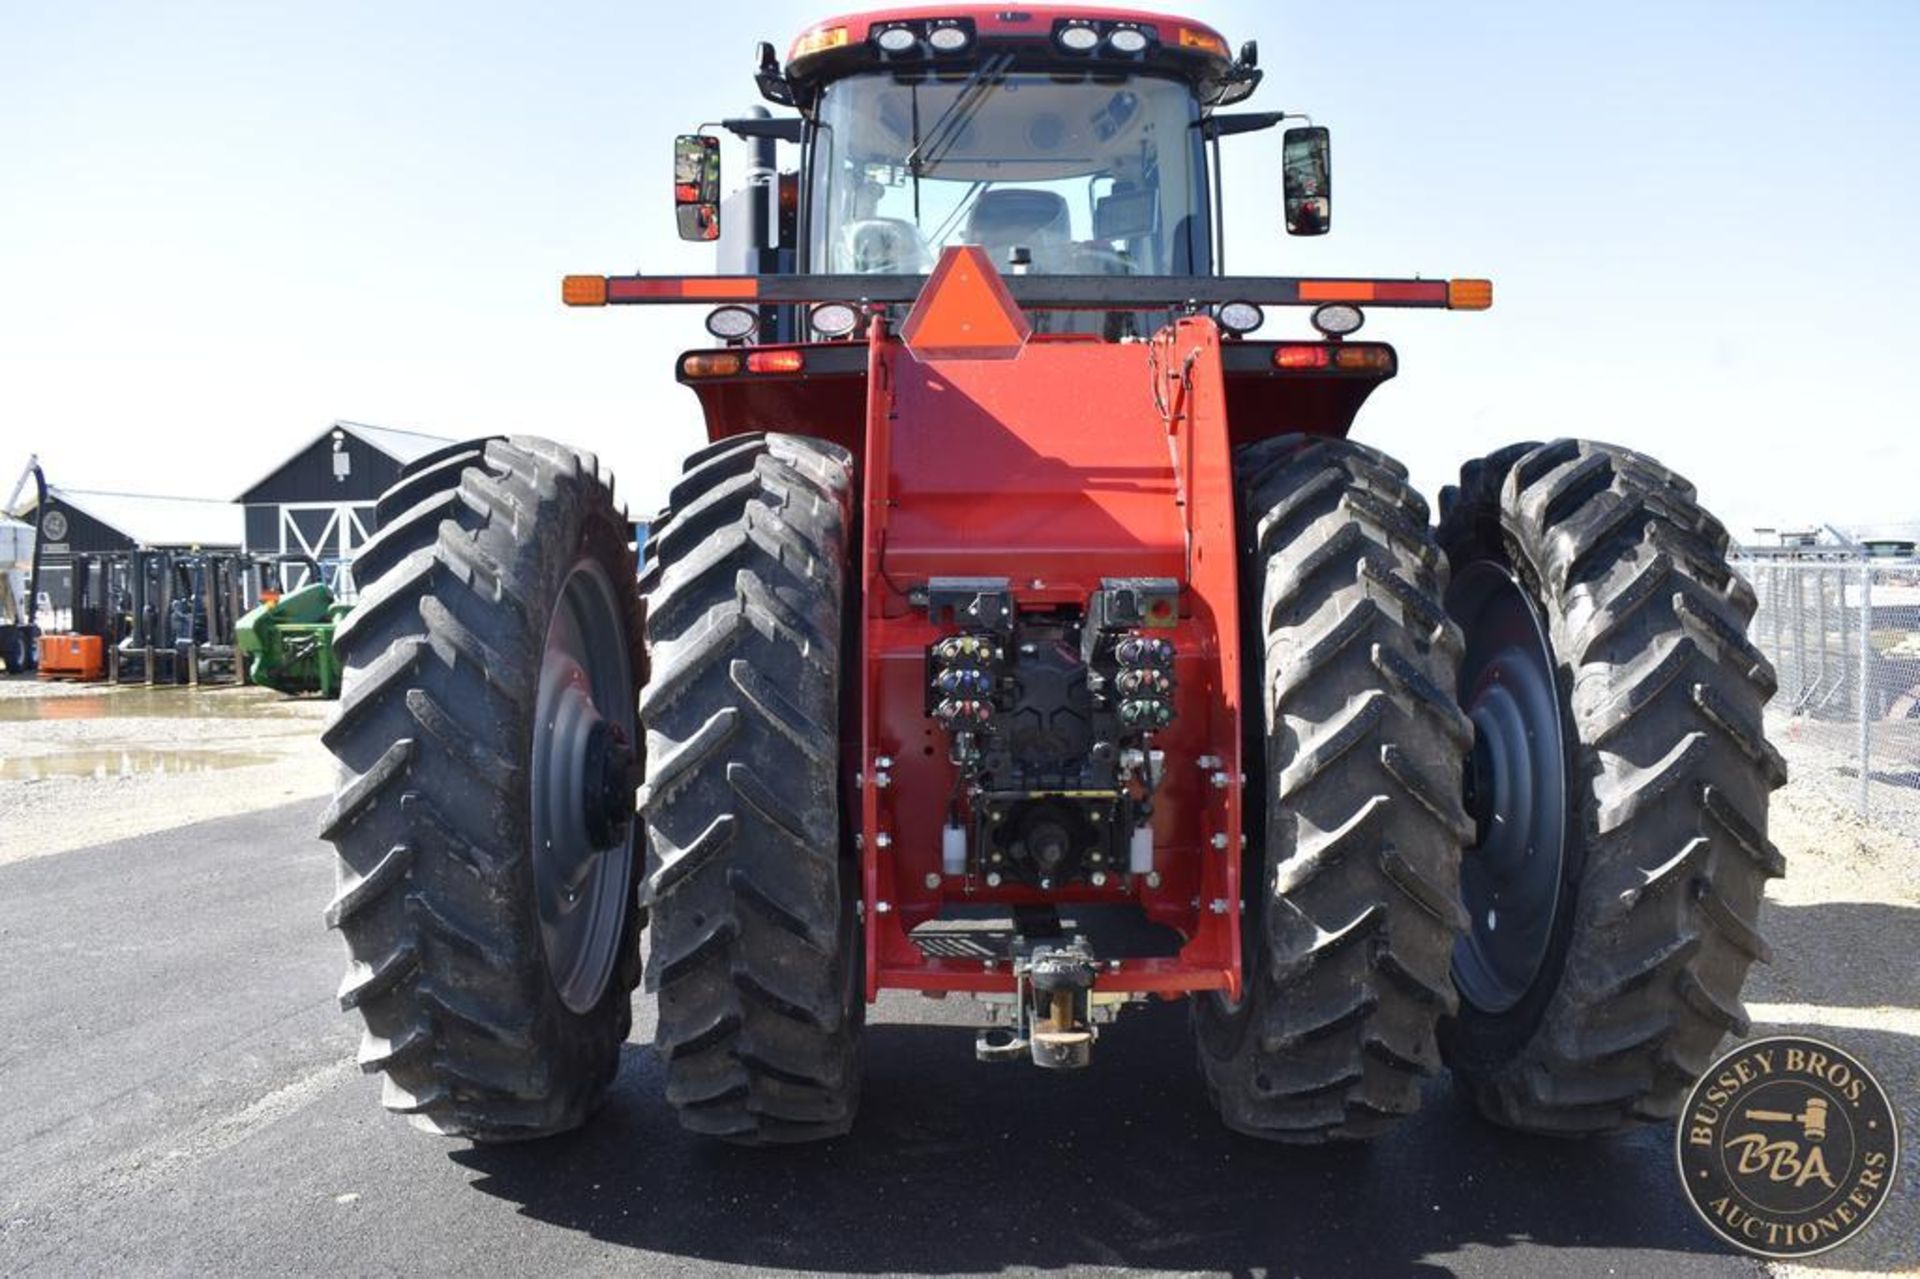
(447, 967)
(749, 879)
(1647, 621)
(1359, 877)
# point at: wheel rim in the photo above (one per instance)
(582, 790)
(1516, 789)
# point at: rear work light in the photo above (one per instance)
(1337, 319)
(1239, 318)
(833, 319)
(733, 323)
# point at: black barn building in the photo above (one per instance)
(91, 522)
(319, 502)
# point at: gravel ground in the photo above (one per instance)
(81, 766)
(1845, 927)
(85, 764)
(1825, 761)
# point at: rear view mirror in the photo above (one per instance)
(1306, 173)
(696, 186)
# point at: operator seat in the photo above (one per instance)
(1002, 219)
(883, 246)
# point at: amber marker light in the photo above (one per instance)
(710, 364)
(818, 40)
(1357, 356)
(1204, 41)
(584, 290)
(1469, 295)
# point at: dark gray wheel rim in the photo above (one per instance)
(1516, 789)
(582, 860)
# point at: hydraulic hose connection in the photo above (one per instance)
(964, 679)
(1144, 681)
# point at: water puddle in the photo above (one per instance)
(108, 702)
(104, 762)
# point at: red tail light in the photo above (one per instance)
(776, 362)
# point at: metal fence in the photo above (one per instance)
(1843, 632)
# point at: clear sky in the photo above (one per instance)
(224, 225)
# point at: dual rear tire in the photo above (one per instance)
(486, 901)
(1511, 818)
(1575, 934)
(1620, 783)
(492, 883)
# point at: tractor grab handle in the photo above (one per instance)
(1032, 292)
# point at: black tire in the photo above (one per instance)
(752, 878)
(1355, 822)
(1667, 774)
(433, 819)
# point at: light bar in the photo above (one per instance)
(1410, 292)
(1032, 292)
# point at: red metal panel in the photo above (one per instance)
(1056, 469)
(1051, 469)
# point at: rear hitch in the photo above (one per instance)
(1053, 1008)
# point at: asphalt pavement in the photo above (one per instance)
(177, 1094)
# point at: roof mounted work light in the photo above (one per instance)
(949, 37)
(1077, 37)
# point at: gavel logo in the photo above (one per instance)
(1812, 1120)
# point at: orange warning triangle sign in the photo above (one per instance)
(964, 312)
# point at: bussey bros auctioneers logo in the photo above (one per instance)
(1787, 1147)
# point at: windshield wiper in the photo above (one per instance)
(947, 127)
(966, 202)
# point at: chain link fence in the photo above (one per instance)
(1843, 633)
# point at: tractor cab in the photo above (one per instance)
(1065, 142)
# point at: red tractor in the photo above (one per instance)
(1031, 630)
